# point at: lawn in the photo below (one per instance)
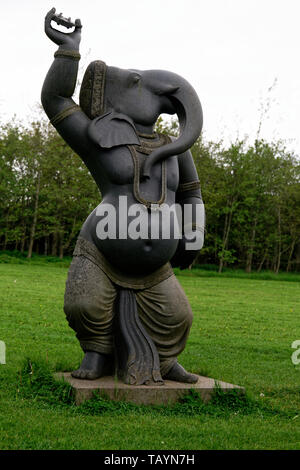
(242, 333)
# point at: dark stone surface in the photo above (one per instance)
(113, 132)
(137, 360)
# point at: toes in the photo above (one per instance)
(192, 378)
(85, 374)
(76, 373)
(179, 374)
(80, 373)
(91, 375)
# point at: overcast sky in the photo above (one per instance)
(231, 51)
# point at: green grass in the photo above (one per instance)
(16, 257)
(242, 333)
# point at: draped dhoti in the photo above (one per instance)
(91, 291)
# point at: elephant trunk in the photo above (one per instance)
(188, 108)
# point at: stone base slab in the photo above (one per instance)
(110, 387)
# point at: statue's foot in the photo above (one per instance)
(93, 366)
(179, 374)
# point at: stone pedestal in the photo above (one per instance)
(168, 393)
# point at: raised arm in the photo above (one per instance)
(189, 197)
(59, 86)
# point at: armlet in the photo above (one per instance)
(191, 185)
(74, 55)
(190, 189)
(63, 114)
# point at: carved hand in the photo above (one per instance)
(69, 41)
(183, 258)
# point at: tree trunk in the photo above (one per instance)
(221, 262)
(288, 267)
(277, 265)
(226, 231)
(54, 244)
(35, 214)
(23, 225)
(298, 257)
(251, 249)
(23, 240)
(262, 262)
(6, 232)
(61, 246)
(46, 245)
(71, 236)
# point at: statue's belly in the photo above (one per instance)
(138, 243)
(138, 256)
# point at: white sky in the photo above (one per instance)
(231, 51)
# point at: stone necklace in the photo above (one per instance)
(148, 144)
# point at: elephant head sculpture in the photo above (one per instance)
(118, 99)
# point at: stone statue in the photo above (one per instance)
(122, 298)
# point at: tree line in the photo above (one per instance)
(251, 194)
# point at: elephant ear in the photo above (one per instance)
(112, 129)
